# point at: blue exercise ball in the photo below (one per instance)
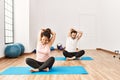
(12, 51)
(22, 47)
(52, 48)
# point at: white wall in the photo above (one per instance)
(61, 15)
(109, 24)
(2, 28)
(98, 19)
(21, 20)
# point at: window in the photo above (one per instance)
(9, 21)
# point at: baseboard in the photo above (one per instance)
(2, 57)
(111, 52)
(26, 53)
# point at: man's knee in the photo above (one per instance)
(82, 52)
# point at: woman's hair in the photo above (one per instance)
(46, 33)
(73, 31)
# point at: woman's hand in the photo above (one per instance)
(53, 33)
(42, 30)
(52, 38)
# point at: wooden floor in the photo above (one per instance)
(103, 67)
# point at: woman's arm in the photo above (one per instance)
(39, 35)
(52, 39)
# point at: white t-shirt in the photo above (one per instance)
(71, 44)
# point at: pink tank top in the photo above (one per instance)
(42, 53)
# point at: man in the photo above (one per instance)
(70, 51)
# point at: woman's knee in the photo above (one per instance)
(51, 59)
(28, 60)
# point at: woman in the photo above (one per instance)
(43, 60)
(70, 51)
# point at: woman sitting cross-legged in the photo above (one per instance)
(43, 61)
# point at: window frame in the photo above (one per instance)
(6, 41)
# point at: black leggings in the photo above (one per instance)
(71, 54)
(40, 65)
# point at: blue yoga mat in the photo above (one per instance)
(82, 58)
(54, 71)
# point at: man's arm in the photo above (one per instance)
(69, 33)
(79, 34)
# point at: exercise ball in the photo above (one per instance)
(12, 51)
(21, 47)
(52, 48)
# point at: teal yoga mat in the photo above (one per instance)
(82, 58)
(54, 71)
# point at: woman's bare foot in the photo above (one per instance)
(46, 69)
(34, 70)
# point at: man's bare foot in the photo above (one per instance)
(34, 70)
(68, 59)
(78, 58)
(46, 69)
